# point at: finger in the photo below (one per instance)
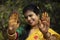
(48, 19)
(46, 14)
(43, 17)
(42, 14)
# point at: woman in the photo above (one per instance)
(35, 29)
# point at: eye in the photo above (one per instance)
(26, 17)
(30, 15)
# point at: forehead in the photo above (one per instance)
(29, 12)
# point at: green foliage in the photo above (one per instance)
(1, 37)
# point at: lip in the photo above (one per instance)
(30, 22)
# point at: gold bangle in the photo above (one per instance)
(48, 34)
(11, 37)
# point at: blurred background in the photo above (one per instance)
(7, 6)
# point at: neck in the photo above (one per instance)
(35, 27)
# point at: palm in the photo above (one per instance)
(45, 21)
(13, 25)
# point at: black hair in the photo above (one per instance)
(31, 7)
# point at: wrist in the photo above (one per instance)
(10, 32)
(11, 36)
(47, 35)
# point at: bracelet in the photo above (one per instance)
(47, 35)
(11, 37)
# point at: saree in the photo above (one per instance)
(37, 35)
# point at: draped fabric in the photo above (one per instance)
(36, 35)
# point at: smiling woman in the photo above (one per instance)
(31, 18)
(35, 29)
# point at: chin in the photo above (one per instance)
(32, 24)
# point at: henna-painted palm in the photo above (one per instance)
(46, 18)
(45, 22)
(13, 24)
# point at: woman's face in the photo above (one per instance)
(31, 18)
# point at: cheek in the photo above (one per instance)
(35, 19)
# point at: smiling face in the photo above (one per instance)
(31, 18)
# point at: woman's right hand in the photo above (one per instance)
(13, 23)
(12, 27)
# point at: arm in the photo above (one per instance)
(45, 24)
(13, 24)
(48, 36)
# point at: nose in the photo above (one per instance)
(29, 18)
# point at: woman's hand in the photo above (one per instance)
(12, 27)
(13, 23)
(44, 23)
(44, 26)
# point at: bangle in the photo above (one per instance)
(11, 37)
(47, 35)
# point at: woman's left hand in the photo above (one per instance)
(44, 23)
(44, 26)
